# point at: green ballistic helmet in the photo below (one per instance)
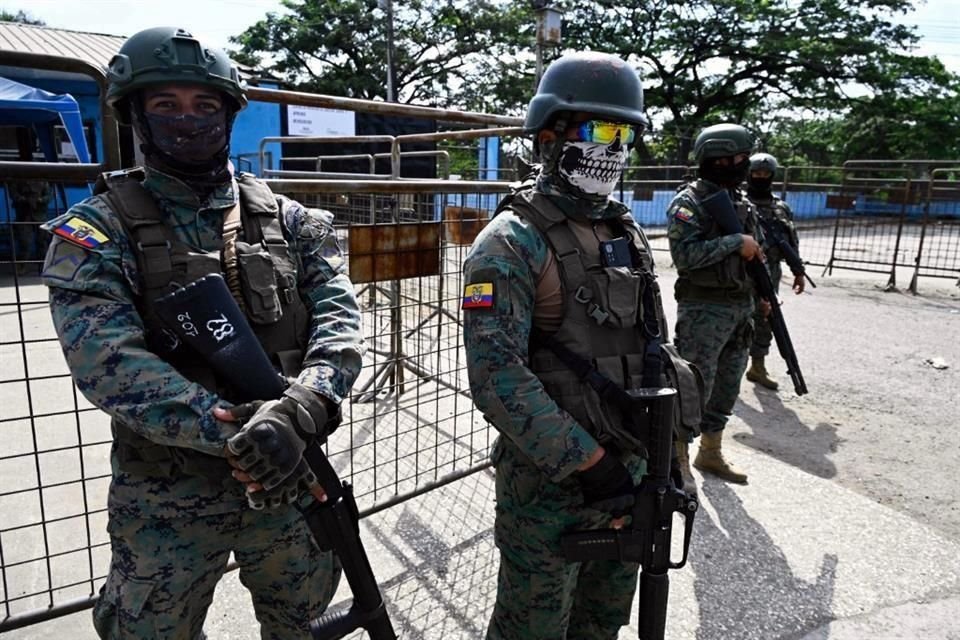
(165, 55)
(722, 140)
(763, 162)
(590, 81)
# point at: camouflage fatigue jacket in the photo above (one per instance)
(510, 254)
(93, 293)
(694, 243)
(774, 211)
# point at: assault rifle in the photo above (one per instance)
(771, 229)
(650, 413)
(206, 318)
(720, 207)
(647, 539)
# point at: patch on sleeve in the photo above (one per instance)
(478, 296)
(683, 214)
(81, 233)
(64, 261)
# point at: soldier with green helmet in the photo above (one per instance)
(715, 297)
(776, 217)
(179, 503)
(562, 262)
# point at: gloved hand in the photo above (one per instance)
(271, 444)
(288, 491)
(607, 486)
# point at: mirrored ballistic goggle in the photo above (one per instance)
(606, 132)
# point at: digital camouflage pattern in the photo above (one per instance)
(539, 594)
(713, 335)
(290, 580)
(93, 300)
(774, 211)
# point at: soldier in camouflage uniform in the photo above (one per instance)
(775, 215)
(539, 268)
(176, 508)
(715, 297)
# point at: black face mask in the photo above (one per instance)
(760, 185)
(191, 148)
(191, 140)
(728, 177)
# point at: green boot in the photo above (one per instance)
(683, 459)
(758, 373)
(710, 459)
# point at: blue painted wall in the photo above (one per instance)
(259, 120)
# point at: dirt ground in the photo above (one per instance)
(883, 371)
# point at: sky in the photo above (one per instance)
(938, 21)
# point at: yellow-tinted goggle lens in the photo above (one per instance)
(606, 132)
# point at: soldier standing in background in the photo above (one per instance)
(776, 218)
(715, 296)
(562, 258)
(176, 507)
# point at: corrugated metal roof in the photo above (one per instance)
(95, 48)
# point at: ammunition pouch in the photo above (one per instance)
(258, 283)
(686, 378)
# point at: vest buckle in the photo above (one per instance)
(598, 314)
(153, 245)
(583, 295)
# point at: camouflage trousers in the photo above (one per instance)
(716, 338)
(163, 573)
(763, 335)
(541, 596)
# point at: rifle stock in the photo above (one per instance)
(205, 316)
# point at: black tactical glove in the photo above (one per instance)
(270, 445)
(287, 492)
(607, 486)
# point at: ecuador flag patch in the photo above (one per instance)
(478, 296)
(81, 233)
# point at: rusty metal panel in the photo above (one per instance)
(840, 201)
(383, 252)
(462, 224)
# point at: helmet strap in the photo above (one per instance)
(550, 152)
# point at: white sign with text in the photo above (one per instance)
(315, 121)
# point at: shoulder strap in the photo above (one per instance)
(141, 217)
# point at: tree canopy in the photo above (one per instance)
(842, 65)
(20, 16)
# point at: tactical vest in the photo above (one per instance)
(773, 212)
(603, 318)
(726, 280)
(263, 278)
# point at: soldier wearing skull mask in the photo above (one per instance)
(563, 259)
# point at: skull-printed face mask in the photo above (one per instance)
(593, 168)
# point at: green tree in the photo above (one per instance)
(339, 47)
(20, 16)
(711, 60)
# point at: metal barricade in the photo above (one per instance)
(938, 251)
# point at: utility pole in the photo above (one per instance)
(549, 21)
(387, 6)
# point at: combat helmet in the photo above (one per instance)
(598, 83)
(722, 140)
(763, 162)
(165, 55)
